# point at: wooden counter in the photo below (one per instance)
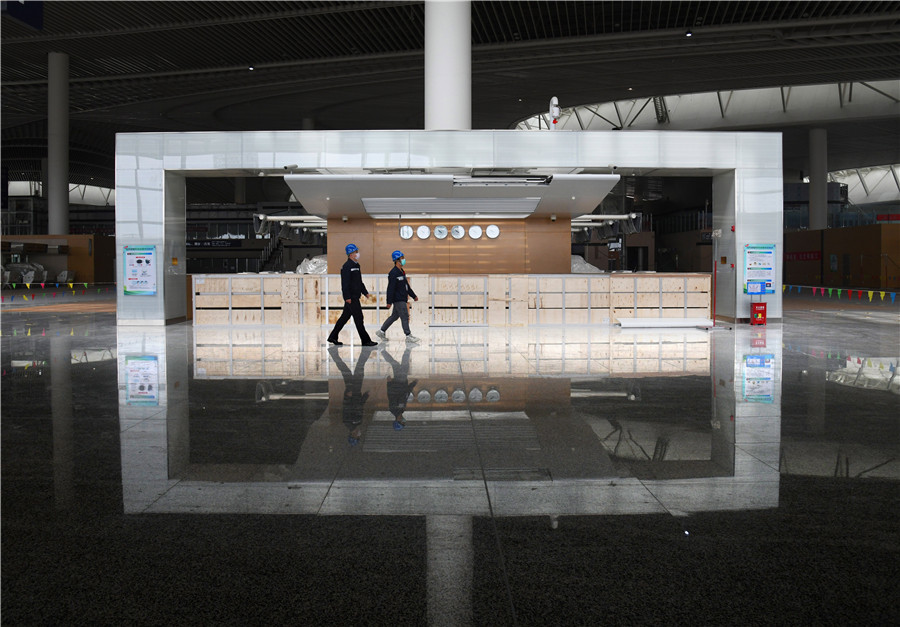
(289, 300)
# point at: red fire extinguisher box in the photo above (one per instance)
(757, 313)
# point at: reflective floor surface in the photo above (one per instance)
(549, 475)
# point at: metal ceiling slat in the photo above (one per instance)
(494, 32)
(526, 14)
(479, 32)
(396, 30)
(511, 24)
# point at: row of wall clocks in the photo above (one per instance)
(456, 232)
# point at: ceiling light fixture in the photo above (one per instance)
(501, 181)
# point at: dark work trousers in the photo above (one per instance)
(353, 308)
(400, 310)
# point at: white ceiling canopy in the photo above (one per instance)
(448, 195)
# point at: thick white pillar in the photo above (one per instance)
(448, 65)
(818, 182)
(58, 143)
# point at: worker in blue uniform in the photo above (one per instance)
(398, 292)
(352, 289)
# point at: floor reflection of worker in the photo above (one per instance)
(398, 386)
(354, 398)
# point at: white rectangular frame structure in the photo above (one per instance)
(746, 172)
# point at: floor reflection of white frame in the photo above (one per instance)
(754, 483)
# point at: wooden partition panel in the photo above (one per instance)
(523, 246)
(455, 300)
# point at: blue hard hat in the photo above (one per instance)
(351, 248)
(396, 255)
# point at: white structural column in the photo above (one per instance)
(448, 65)
(58, 143)
(818, 184)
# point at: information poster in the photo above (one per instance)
(759, 378)
(141, 380)
(759, 269)
(140, 270)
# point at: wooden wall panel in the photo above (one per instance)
(548, 246)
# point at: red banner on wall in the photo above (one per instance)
(888, 217)
(810, 255)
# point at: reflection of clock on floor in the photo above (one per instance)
(406, 231)
(440, 231)
(457, 231)
(423, 232)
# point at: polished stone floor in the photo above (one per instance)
(548, 475)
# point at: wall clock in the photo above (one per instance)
(457, 232)
(440, 231)
(406, 231)
(475, 231)
(424, 231)
(492, 231)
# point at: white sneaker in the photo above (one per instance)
(412, 339)
(381, 334)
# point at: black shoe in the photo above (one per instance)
(370, 343)
(335, 342)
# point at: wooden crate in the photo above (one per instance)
(204, 285)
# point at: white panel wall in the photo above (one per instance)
(140, 219)
(174, 263)
(746, 171)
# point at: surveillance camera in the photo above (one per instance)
(343, 218)
(553, 217)
(613, 167)
(292, 166)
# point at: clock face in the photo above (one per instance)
(492, 231)
(475, 395)
(474, 231)
(492, 395)
(457, 232)
(423, 232)
(440, 231)
(441, 396)
(406, 231)
(458, 396)
(424, 396)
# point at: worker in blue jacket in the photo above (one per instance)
(352, 289)
(398, 292)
